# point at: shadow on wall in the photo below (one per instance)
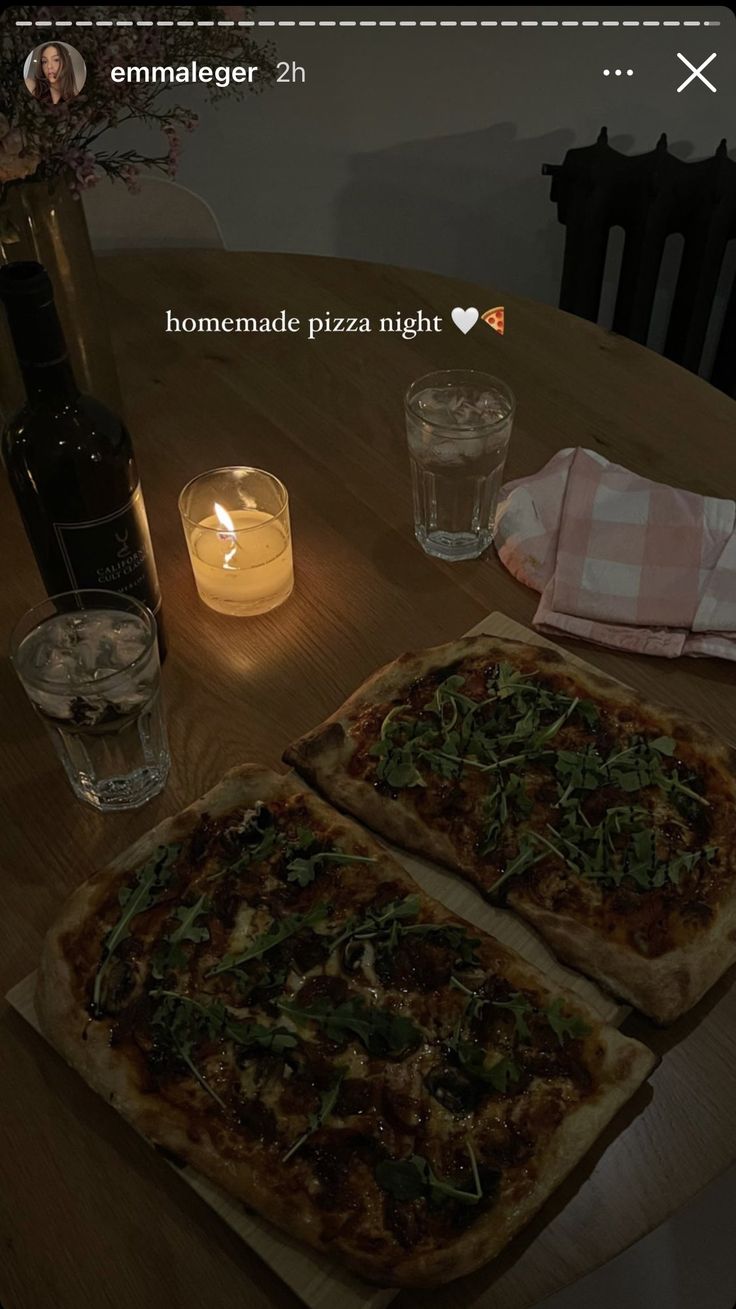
(459, 205)
(467, 206)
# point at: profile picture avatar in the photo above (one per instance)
(54, 72)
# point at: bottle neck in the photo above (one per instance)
(49, 383)
(41, 350)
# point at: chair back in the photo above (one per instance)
(162, 213)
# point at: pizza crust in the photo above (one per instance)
(664, 987)
(86, 1047)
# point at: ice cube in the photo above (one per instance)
(446, 452)
(461, 407)
(121, 643)
(86, 658)
(128, 649)
(54, 706)
(73, 628)
(103, 670)
(54, 664)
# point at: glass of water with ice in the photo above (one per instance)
(458, 425)
(88, 661)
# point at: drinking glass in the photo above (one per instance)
(88, 662)
(458, 426)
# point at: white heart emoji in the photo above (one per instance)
(464, 319)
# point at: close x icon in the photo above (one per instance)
(696, 74)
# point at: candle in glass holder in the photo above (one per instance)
(236, 522)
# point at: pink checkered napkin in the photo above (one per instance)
(621, 560)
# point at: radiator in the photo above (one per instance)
(651, 196)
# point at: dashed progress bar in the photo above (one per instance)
(369, 22)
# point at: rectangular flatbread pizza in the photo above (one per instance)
(260, 989)
(607, 822)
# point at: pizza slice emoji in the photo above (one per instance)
(495, 319)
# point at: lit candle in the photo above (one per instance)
(241, 554)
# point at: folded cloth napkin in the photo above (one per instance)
(621, 560)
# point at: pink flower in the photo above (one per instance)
(131, 176)
(87, 173)
(174, 144)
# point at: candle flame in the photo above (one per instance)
(224, 517)
(228, 535)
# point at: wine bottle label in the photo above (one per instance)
(113, 553)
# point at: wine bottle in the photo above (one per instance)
(70, 461)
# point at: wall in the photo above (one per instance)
(425, 147)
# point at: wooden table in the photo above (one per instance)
(89, 1214)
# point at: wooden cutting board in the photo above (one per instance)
(318, 1282)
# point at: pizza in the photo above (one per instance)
(607, 822)
(495, 318)
(266, 994)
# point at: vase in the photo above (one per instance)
(45, 221)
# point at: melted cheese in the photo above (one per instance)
(250, 922)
